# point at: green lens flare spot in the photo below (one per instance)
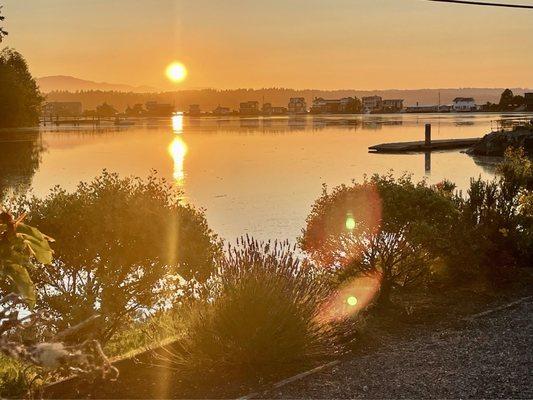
(350, 223)
(352, 301)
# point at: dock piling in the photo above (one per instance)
(428, 135)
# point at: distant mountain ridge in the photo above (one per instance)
(49, 84)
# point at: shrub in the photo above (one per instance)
(392, 228)
(32, 351)
(121, 244)
(495, 224)
(260, 319)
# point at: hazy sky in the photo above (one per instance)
(326, 44)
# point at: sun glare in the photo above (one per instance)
(176, 72)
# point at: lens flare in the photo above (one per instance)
(351, 297)
(176, 72)
(352, 301)
(350, 223)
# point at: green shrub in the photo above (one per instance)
(260, 319)
(494, 231)
(121, 244)
(386, 227)
(19, 380)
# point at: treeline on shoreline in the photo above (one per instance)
(209, 99)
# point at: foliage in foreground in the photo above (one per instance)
(122, 245)
(260, 317)
(384, 227)
(404, 232)
(494, 234)
(31, 348)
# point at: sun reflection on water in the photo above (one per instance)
(178, 149)
(177, 123)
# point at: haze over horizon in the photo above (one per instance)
(300, 44)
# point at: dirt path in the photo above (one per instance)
(488, 357)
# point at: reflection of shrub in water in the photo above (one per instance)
(20, 157)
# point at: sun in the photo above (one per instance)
(176, 72)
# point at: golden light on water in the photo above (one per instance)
(177, 123)
(176, 72)
(178, 149)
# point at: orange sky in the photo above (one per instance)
(325, 44)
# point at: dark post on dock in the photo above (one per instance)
(428, 135)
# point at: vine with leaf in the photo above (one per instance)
(23, 248)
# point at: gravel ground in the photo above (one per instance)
(487, 357)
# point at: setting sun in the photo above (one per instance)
(176, 72)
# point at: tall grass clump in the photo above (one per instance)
(259, 319)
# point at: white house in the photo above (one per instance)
(372, 103)
(463, 104)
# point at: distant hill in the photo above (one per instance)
(208, 99)
(71, 84)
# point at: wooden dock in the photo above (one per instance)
(420, 146)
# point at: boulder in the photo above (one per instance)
(495, 143)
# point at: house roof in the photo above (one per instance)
(458, 99)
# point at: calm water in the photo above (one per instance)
(256, 176)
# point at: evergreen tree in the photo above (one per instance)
(20, 98)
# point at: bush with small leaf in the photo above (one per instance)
(392, 228)
(124, 244)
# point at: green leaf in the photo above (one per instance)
(38, 243)
(20, 277)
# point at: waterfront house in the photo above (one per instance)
(297, 105)
(323, 106)
(392, 105)
(194, 110)
(334, 106)
(249, 108)
(221, 111)
(372, 104)
(62, 109)
(279, 110)
(155, 109)
(464, 104)
(422, 109)
(267, 109)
